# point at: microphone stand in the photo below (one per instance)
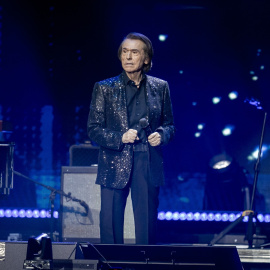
(52, 198)
(249, 213)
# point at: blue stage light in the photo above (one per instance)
(190, 216)
(162, 37)
(182, 216)
(197, 216)
(168, 215)
(216, 100)
(227, 131)
(233, 95)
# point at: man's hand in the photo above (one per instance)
(130, 136)
(154, 139)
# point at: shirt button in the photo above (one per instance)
(137, 114)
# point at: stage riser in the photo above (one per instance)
(186, 257)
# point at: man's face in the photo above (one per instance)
(133, 56)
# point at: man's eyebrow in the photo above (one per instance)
(124, 48)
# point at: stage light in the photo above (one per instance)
(221, 161)
(161, 215)
(200, 126)
(217, 217)
(15, 213)
(182, 216)
(197, 216)
(22, 213)
(254, 78)
(8, 213)
(162, 37)
(36, 214)
(168, 215)
(233, 95)
(225, 217)
(203, 216)
(227, 131)
(260, 218)
(39, 253)
(216, 100)
(194, 103)
(29, 213)
(211, 217)
(232, 217)
(181, 71)
(175, 216)
(261, 67)
(267, 218)
(197, 134)
(190, 216)
(43, 214)
(255, 153)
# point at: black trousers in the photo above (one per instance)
(145, 202)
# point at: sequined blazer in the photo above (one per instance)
(108, 121)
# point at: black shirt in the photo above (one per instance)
(136, 104)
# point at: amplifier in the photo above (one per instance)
(83, 155)
(77, 224)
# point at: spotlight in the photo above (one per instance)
(39, 253)
(216, 100)
(233, 95)
(162, 37)
(221, 161)
(226, 187)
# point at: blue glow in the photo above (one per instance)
(225, 217)
(233, 95)
(175, 216)
(211, 216)
(254, 78)
(216, 100)
(168, 215)
(189, 216)
(255, 153)
(162, 37)
(227, 131)
(203, 216)
(200, 126)
(267, 218)
(182, 216)
(197, 134)
(197, 216)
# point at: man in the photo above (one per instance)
(130, 158)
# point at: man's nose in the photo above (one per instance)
(129, 55)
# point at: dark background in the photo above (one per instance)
(52, 53)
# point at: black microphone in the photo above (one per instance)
(145, 125)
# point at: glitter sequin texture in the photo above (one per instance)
(107, 122)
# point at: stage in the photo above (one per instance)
(97, 256)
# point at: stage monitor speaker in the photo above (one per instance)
(78, 224)
(162, 257)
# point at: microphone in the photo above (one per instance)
(145, 126)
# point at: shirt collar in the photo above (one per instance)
(128, 80)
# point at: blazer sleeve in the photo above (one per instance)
(167, 128)
(96, 125)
